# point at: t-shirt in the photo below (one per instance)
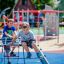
(8, 30)
(26, 37)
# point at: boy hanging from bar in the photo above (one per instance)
(28, 40)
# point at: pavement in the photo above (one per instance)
(51, 45)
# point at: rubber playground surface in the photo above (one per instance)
(53, 58)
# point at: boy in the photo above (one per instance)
(28, 40)
(8, 36)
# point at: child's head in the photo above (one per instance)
(25, 27)
(10, 22)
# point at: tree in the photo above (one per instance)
(40, 3)
(61, 7)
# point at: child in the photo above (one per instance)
(16, 40)
(28, 40)
(8, 36)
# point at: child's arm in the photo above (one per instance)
(5, 32)
(32, 36)
(8, 35)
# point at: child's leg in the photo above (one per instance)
(35, 47)
(13, 48)
(27, 49)
(12, 44)
(12, 51)
(39, 54)
(7, 49)
(25, 46)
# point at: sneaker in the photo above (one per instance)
(28, 55)
(39, 55)
(12, 54)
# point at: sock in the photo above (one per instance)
(28, 54)
(39, 54)
(42, 59)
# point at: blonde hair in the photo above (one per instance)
(25, 24)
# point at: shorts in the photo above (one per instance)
(6, 41)
(29, 42)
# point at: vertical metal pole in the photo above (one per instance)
(58, 28)
(45, 36)
(18, 19)
(38, 28)
(24, 56)
(22, 16)
(13, 16)
(18, 55)
(23, 47)
(28, 15)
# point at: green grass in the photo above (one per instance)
(37, 30)
(40, 30)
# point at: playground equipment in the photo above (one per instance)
(7, 59)
(50, 25)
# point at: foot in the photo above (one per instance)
(12, 54)
(28, 55)
(39, 55)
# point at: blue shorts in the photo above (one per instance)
(29, 43)
(6, 40)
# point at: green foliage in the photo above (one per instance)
(61, 7)
(43, 2)
(61, 20)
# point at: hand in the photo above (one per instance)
(4, 17)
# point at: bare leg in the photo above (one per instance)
(25, 46)
(13, 40)
(12, 51)
(13, 48)
(27, 49)
(35, 47)
(39, 54)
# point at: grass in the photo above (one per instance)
(40, 30)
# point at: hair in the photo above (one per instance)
(10, 20)
(25, 24)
